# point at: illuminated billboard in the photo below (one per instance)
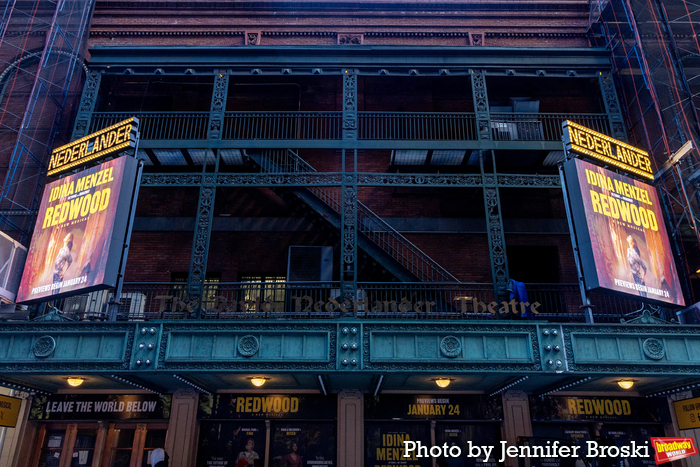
(108, 141)
(79, 232)
(587, 142)
(621, 234)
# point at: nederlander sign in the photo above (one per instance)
(103, 143)
(587, 142)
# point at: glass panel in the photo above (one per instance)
(121, 448)
(54, 439)
(384, 440)
(51, 452)
(120, 458)
(459, 434)
(84, 448)
(124, 438)
(232, 444)
(303, 444)
(154, 439)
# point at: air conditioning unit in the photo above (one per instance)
(133, 305)
(310, 264)
(87, 306)
(12, 257)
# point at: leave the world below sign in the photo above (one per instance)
(103, 143)
(587, 142)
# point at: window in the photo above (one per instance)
(261, 287)
(84, 448)
(154, 439)
(211, 288)
(122, 446)
(51, 450)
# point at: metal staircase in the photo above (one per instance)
(381, 241)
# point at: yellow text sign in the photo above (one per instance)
(587, 142)
(688, 413)
(103, 143)
(9, 411)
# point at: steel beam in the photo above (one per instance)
(363, 179)
(303, 60)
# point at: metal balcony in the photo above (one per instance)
(321, 300)
(319, 126)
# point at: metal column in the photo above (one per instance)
(207, 194)
(348, 226)
(492, 202)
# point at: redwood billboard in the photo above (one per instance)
(621, 234)
(79, 233)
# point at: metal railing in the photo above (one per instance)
(283, 125)
(376, 300)
(415, 126)
(541, 127)
(422, 126)
(369, 224)
(158, 125)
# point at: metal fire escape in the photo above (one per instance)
(656, 63)
(396, 253)
(42, 47)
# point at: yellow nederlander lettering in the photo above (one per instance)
(587, 142)
(107, 141)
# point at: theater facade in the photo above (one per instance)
(353, 229)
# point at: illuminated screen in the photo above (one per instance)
(621, 234)
(79, 233)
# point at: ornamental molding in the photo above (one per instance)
(171, 179)
(515, 396)
(367, 179)
(269, 33)
(654, 349)
(44, 346)
(252, 37)
(416, 34)
(349, 38)
(540, 181)
(535, 34)
(450, 329)
(122, 33)
(248, 345)
(419, 179)
(299, 33)
(188, 393)
(330, 328)
(635, 330)
(451, 346)
(69, 326)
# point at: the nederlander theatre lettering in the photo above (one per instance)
(306, 304)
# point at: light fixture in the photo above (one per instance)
(442, 382)
(625, 383)
(75, 381)
(258, 380)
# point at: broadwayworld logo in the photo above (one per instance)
(671, 449)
